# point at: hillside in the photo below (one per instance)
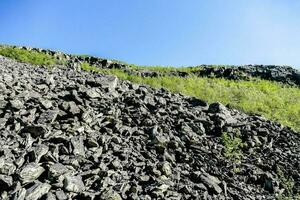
(70, 130)
(270, 91)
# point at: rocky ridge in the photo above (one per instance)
(282, 74)
(68, 134)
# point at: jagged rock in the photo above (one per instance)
(48, 116)
(73, 108)
(57, 170)
(6, 167)
(39, 151)
(46, 103)
(37, 191)
(60, 195)
(17, 104)
(51, 196)
(111, 82)
(211, 182)
(5, 182)
(74, 184)
(111, 195)
(166, 169)
(20, 194)
(93, 93)
(30, 172)
(78, 147)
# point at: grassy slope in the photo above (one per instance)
(22, 55)
(273, 100)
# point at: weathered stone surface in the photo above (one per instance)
(48, 116)
(57, 170)
(211, 182)
(6, 167)
(93, 93)
(5, 182)
(30, 172)
(79, 135)
(37, 191)
(74, 184)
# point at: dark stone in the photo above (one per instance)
(5, 182)
(35, 131)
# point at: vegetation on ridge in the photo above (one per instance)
(272, 100)
(32, 57)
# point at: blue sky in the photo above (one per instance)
(159, 32)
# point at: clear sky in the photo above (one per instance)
(159, 32)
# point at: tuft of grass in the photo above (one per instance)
(233, 148)
(32, 57)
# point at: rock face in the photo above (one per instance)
(75, 135)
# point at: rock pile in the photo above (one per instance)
(66, 134)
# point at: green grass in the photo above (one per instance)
(32, 57)
(164, 68)
(233, 145)
(273, 100)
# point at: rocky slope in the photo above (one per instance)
(69, 134)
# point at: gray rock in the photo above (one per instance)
(78, 147)
(50, 196)
(111, 195)
(17, 104)
(39, 151)
(110, 82)
(30, 172)
(5, 182)
(74, 109)
(93, 93)
(37, 191)
(48, 116)
(6, 167)
(73, 184)
(20, 194)
(57, 170)
(61, 195)
(211, 182)
(46, 103)
(166, 169)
